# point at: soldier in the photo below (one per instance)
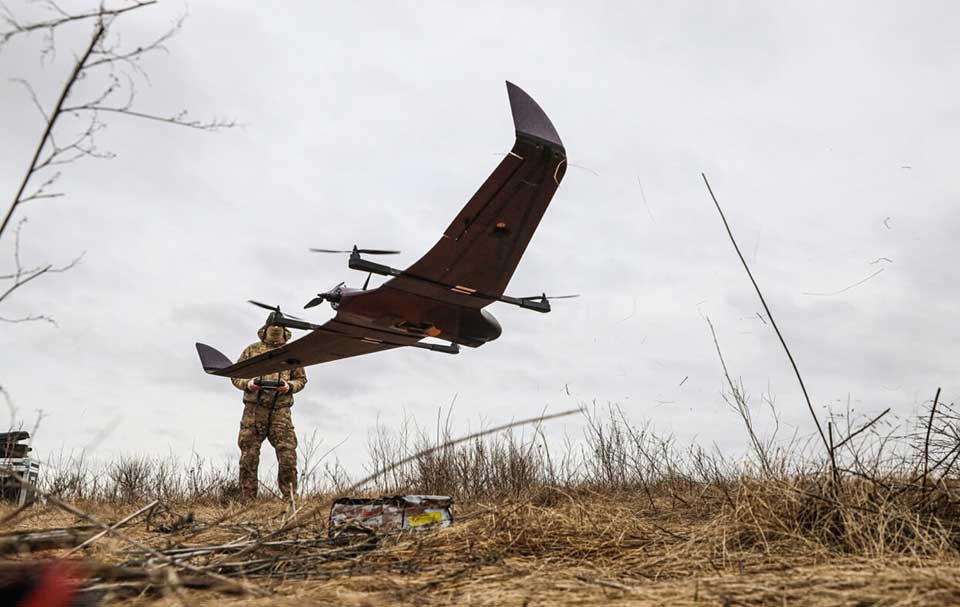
(266, 414)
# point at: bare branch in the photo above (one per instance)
(112, 88)
(22, 280)
(21, 277)
(99, 53)
(41, 192)
(83, 145)
(63, 18)
(50, 123)
(109, 55)
(179, 119)
(30, 318)
(55, 148)
(33, 96)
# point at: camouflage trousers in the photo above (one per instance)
(256, 425)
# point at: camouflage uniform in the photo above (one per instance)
(266, 415)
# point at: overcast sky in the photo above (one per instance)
(828, 131)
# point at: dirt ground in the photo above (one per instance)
(584, 549)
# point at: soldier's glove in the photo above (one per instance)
(284, 387)
(252, 386)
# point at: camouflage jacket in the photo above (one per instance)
(296, 377)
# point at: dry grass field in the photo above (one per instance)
(632, 519)
(586, 548)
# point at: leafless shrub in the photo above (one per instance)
(500, 464)
(130, 477)
(134, 478)
(109, 69)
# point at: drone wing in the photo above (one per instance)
(478, 253)
(469, 267)
(334, 340)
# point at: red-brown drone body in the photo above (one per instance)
(443, 294)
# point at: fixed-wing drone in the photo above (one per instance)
(443, 294)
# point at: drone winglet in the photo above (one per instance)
(530, 120)
(212, 359)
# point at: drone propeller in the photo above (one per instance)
(265, 306)
(356, 250)
(546, 297)
(274, 309)
(333, 296)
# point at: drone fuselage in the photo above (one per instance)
(391, 311)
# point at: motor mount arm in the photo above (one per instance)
(364, 265)
(539, 304)
(444, 348)
(292, 323)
